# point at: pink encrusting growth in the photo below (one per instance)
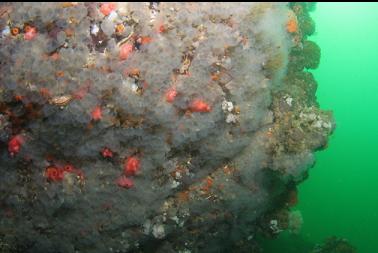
(14, 144)
(198, 105)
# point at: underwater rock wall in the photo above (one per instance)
(170, 127)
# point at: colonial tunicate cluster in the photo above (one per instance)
(154, 127)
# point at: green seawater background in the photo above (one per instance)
(340, 197)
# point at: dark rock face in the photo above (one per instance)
(166, 127)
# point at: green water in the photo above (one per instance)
(341, 195)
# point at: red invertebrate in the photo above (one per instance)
(162, 29)
(198, 105)
(56, 173)
(69, 168)
(292, 25)
(125, 51)
(30, 33)
(143, 40)
(19, 98)
(124, 182)
(170, 95)
(15, 31)
(55, 56)
(14, 144)
(107, 152)
(131, 166)
(82, 91)
(96, 113)
(45, 92)
(107, 8)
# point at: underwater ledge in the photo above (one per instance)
(155, 127)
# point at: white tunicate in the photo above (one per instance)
(94, 29)
(231, 118)
(5, 32)
(175, 219)
(289, 100)
(175, 184)
(134, 87)
(227, 106)
(178, 175)
(158, 231)
(318, 124)
(327, 125)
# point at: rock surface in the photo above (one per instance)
(170, 127)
